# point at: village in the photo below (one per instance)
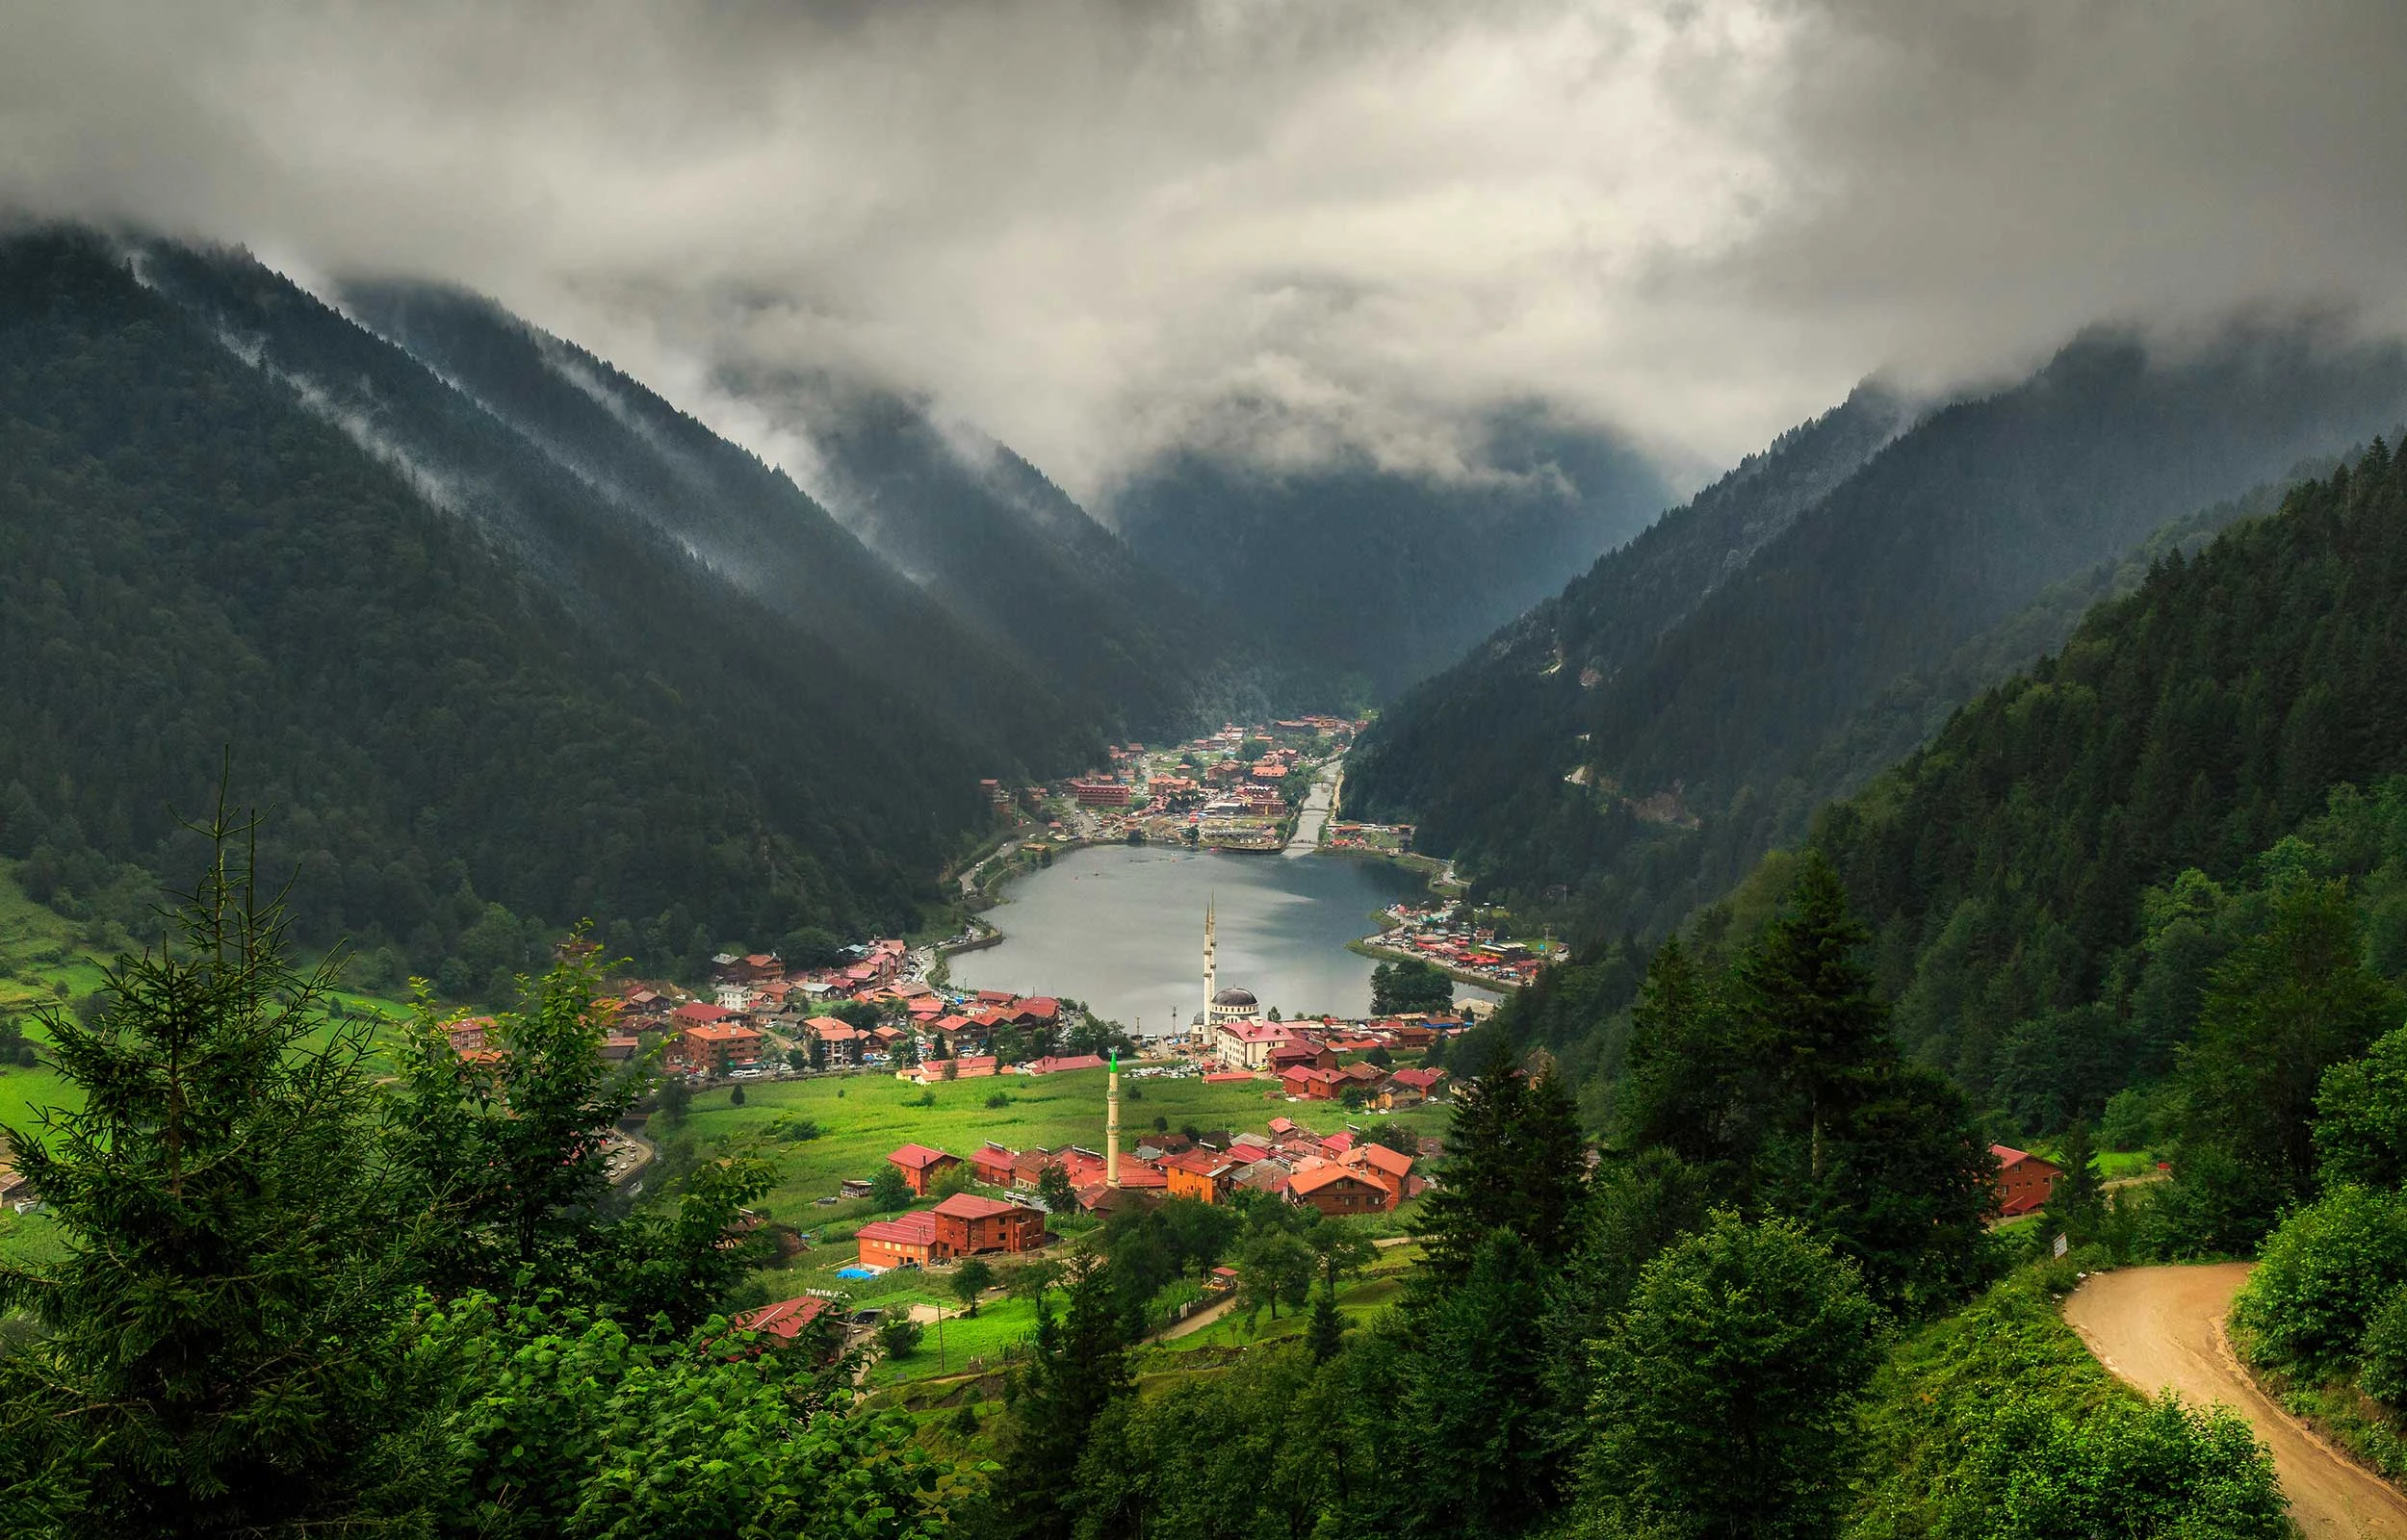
(1446, 936)
(908, 1217)
(1236, 790)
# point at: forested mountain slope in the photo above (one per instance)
(1481, 749)
(1636, 794)
(1391, 574)
(1014, 559)
(632, 457)
(2021, 871)
(215, 534)
(2055, 881)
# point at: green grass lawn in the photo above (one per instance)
(861, 1118)
(983, 1337)
(1358, 1300)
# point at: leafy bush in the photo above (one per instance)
(1996, 1424)
(2381, 1354)
(899, 1336)
(2323, 1277)
(888, 1190)
(2038, 1472)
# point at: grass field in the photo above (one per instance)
(861, 1118)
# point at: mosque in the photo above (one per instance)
(1220, 1005)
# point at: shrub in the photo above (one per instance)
(2381, 1354)
(2163, 1468)
(888, 1190)
(2323, 1277)
(899, 1336)
(999, 1099)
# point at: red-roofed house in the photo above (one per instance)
(992, 1164)
(1337, 1143)
(966, 1225)
(922, 1165)
(905, 1239)
(1334, 1189)
(785, 1319)
(1201, 1174)
(1037, 1010)
(2024, 1180)
(963, 1067)
(713, 1049)
(1246, 1044)
(1409, 1088)
(1301, 1055)
(1311, 1084)
(469, 1033)
(841, 1038)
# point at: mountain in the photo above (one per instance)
(2025, 873)
(634, 459)
(1627, 765)
(488, 679)
(1019, 563)
(1390, 574)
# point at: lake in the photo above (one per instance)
(1121, 926)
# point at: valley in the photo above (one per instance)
(1559, 772)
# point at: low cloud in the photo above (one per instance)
(1098, 230)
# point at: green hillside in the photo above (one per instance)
(1620, 760)
(482, 698)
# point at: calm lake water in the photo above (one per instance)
(1121, 926)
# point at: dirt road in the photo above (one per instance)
(2161, 1328)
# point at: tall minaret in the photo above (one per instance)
(1111, 1125)
(1211, 986)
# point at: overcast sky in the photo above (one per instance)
(1088, 226)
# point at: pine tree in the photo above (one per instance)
(1821, 1019)
(220, 1342)
(1078, 1369)
(1681, 1072)
(1327, 1333)
(2077, 1201)
(1514, 1161)
(1727, 1390)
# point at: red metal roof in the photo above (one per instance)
(918, 1156)
(785, 1319)
(972, 1206)
(915, 1228)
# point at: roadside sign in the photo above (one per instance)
(2062, 1245)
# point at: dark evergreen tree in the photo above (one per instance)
(1728, 1389)
(1077, 1367)
(2284, 1007)
(1818, 1015)
(2076, 1199)
(1683, 1087)
(1326, 1335)
(222, 1343)
(1468, 1404)
(1514, 1161)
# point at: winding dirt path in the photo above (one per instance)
(2161, 1328)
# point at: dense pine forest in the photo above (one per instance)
(2054, 883)
(1627, 751)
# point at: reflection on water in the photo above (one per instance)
(1121, 926)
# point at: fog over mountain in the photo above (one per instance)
(1090, 228)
